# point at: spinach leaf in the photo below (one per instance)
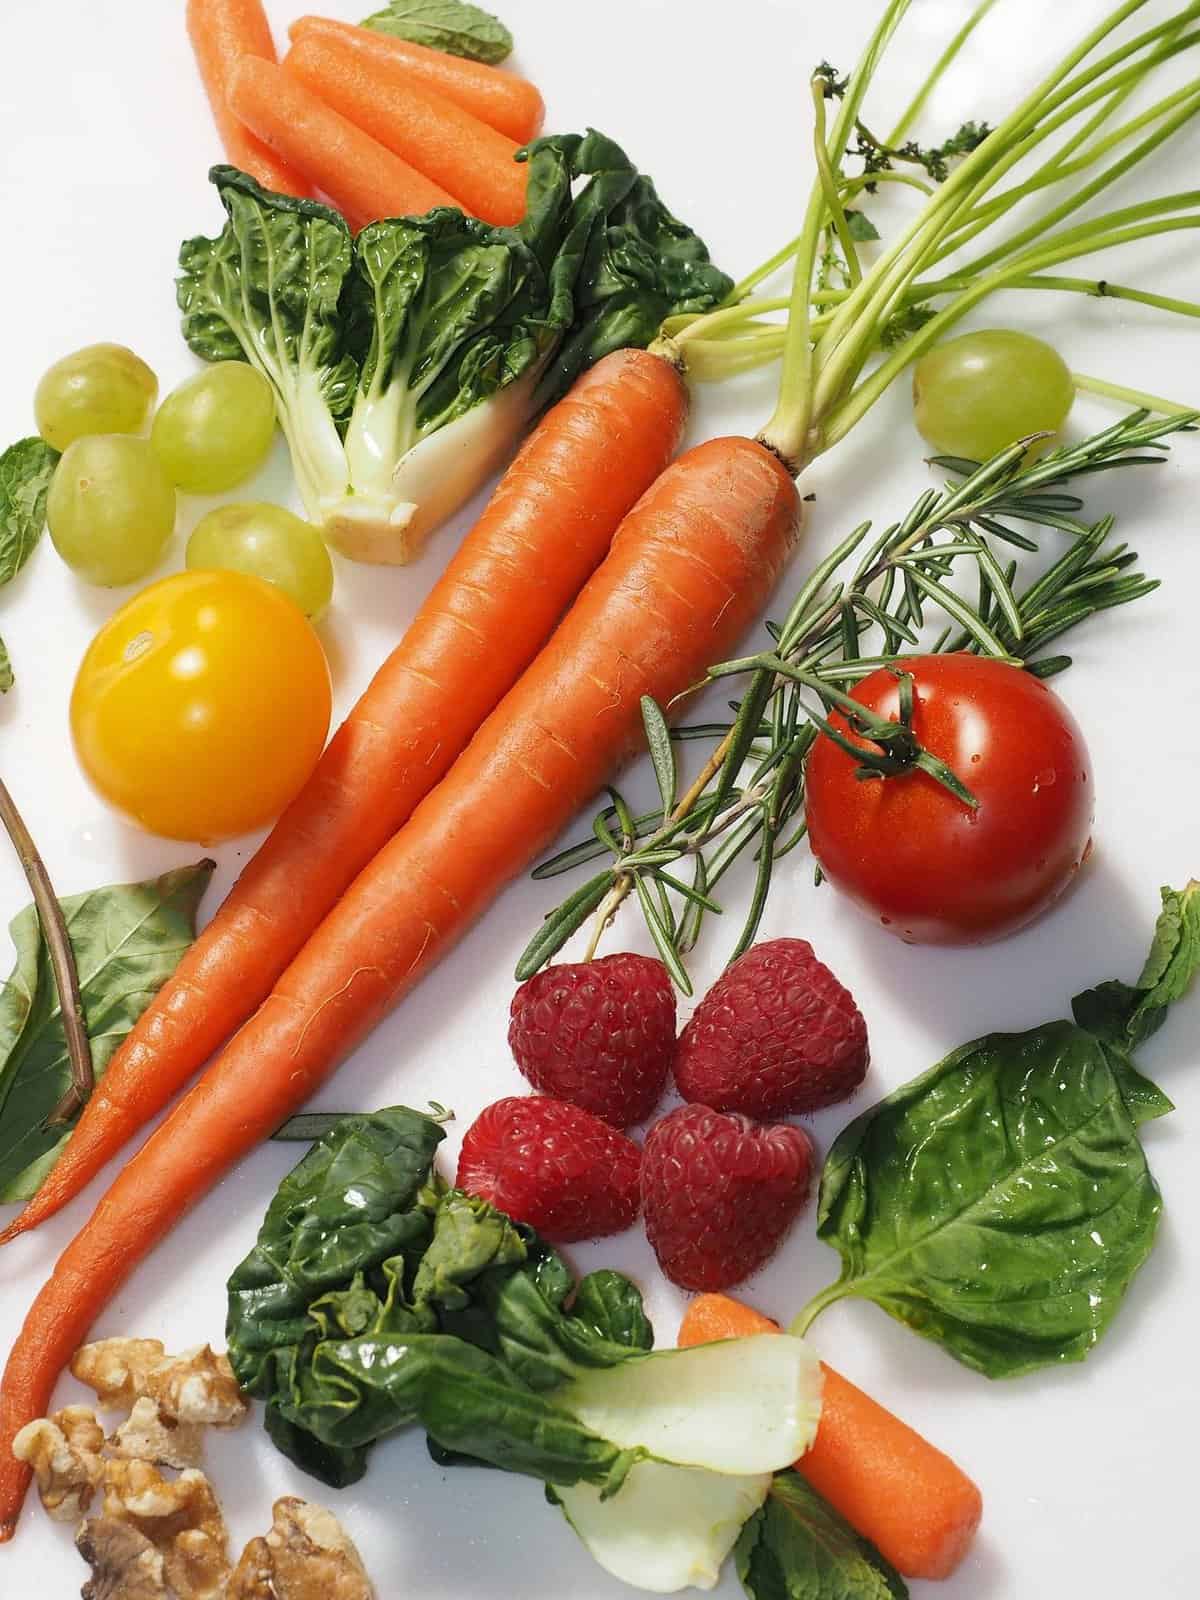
(797, 1547)
(357, 1201)
(452, 26)
(127, 941)
(26, 469)
(999, 1204)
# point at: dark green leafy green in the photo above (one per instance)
(453, 26)
(376, 344)
(1001, 1203)
(797, 1547)
(375, 1298)
(127, 941)
(26, 469)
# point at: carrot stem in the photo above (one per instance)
(62, 960)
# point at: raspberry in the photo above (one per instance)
(600, 1034)
(549, 1164)
(720, 1192)
(776, 1035)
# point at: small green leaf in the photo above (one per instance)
(797, 1547)
(862, 229)
(26, 469)
(1127, 1014)
(6, 672)
(558, 927)
(451, 26)
(127, 940)
(662, 753)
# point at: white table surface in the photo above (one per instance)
(1088, 1473)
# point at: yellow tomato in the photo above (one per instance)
(201, 707)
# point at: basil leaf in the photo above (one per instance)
(797, 1547)
(452, 26)
(611, 1307)
(999, 1204)
(127, 941)
(26, 469)
(1126, 1014)
(6, 671)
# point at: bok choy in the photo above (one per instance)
(407, 361)
(376, 1297)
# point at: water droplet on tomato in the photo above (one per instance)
(887, 921)
(1046, 779)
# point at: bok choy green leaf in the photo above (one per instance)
(408, 361)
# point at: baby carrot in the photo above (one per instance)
(221, 31)
(505, 102)
(917, 1508)
(689, 569)
(418, 124)
(546, 528)
(364, 181)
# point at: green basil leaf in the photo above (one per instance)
(26, 469)
(797, 1547)
(6, 672)
(452, 26)
(1126, 1014)
(999, 1204)
(127, 941)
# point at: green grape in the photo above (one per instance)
(111, 508)
(216, 428)
(101, 389)
(982, 391)
(267, 542)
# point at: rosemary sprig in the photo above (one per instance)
(872, 599)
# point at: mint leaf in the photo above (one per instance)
(25, 472)
(127, 941)
(797, 1547)
(1127, 1014)
(452, 26)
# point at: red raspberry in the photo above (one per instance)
(776, 1035)
(720, 1192)
(598, 1033)
(549, 1164)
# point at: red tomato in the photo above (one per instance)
(928, 867)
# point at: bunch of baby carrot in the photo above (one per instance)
(378, 126)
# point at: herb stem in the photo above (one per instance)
(1133, 397)
(62, 960)
(917, 104)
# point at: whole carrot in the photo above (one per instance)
(918, 1509)
(689, 569)
(505, 102)
(547, 526)
(415, 122)
(221, 31)
(364, 181)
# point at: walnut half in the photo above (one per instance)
(146, 1435)
(306, 1556)
(64, 1452)
(180, 1517)
(125, 1565)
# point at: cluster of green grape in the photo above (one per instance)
(111, 508)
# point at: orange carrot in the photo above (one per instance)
(546, 528)
(505, 102)
(364, 181)
(221, 31)
(418, 124)
(918, 1509)
(689, 569)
